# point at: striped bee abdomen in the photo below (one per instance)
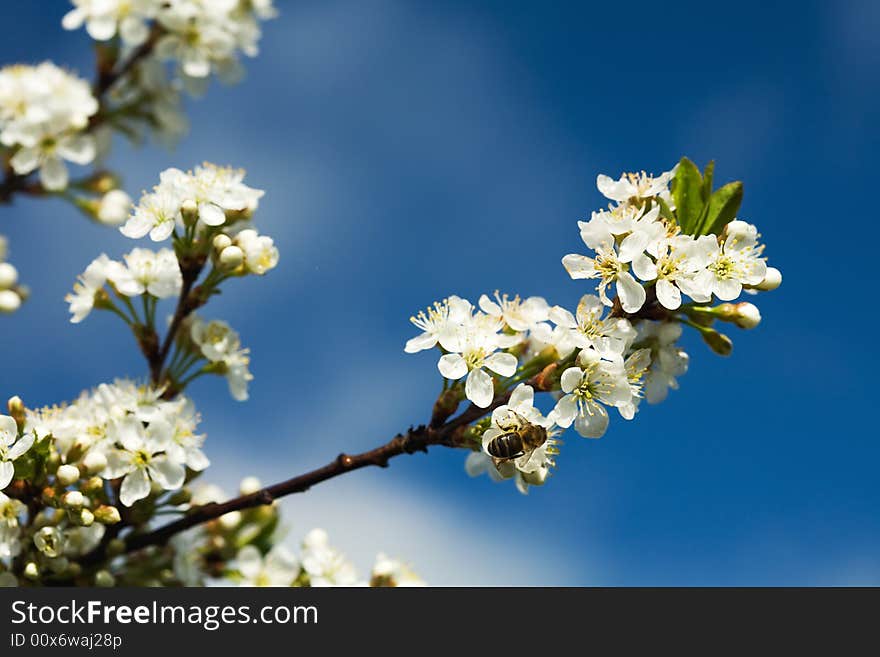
(506, 446)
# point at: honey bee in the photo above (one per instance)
(520, 439)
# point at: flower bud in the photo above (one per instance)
(747, 315)
(16, 409)
(85, 518)
(230, 520)
(114, 207)
(190, 211)
(67, 474)
(50, 541)
(74, 569)
(73, 500)
(718, 342)
(772, 280)
(92, 485)
(231, 257)
(103, 578)
(183, 496)
(107, 515)
(8, 276)
(221, 241)
(94, 462)
(249, 485)
(9, 301)
(31, 570)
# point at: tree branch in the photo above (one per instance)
(417, 439)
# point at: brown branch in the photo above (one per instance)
(417, 439)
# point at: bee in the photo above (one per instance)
(520, 439)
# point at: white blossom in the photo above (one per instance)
(11, 511)
(389, 572)
(104, 19)
(325, 565)
(141, 457)
(11, 448)
(473, 348)
(438, 322)
(588, 388)
(518, 314)
(44, 111)
(277, 568)
(609, 336)
(634, 187)
(732, 263)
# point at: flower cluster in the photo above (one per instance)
(142, 272)
(44, 114)
(639, 235)
(318, 565)
(210, 195)
(201, 36)
(11, 293)
(664, 237)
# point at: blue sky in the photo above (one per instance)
(411, 150)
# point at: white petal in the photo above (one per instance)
(25, 160)
(562, 317)
(644, 267)
(579, 266)
(501, 363)
(632, 294)
(594, 422)
(476, 464)
(211, 215)
(165, 472)
(6, 472)
(565, 411)
(53, 174)
(8, 428)
(479, 389)
(571, 378)
(522, 396)
(101, 27)
(728, 289)
(249, 561)
(420, 343)
(79, 149)
(490, 307)
(452, 366)
(668, 294)
(135, 486)
(22, 445)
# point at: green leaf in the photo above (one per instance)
(687, 188)
(708, 173)
(723, 206)
(665, 211)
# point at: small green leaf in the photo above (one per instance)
(708, 173)
(687, 189)
(665, 211)
(723, 206)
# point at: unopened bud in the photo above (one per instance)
(92, 485)
(8, 276)
(73, 500)
(747, 315)
(231, 257)
(114, 207)
(772, 280)
(16, 409)
(183, 496)
(190, 211)
(107, 515)
(718, 342)
(103, 578)
(85, 518)
(9, 301)
(221, 241)
(67, 474)
(31, 570)
(249, 485)
(94, 462)
(230, 520)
